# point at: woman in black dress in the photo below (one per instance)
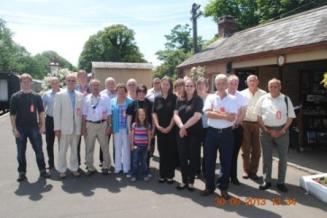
(188, 119)
(163, 118)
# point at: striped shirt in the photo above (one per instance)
(140, 136)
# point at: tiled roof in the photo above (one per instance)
(302, 29)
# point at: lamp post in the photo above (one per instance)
(54, 68)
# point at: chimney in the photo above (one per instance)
(226, 26)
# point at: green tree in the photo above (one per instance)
(244, 11)
(272, 9)
(178, 47)
(170, 59)
(43, 60)
(115, 43)
(180, 38)
(248, 13)
(8, 49)
(15, 58)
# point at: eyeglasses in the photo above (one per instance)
(71, 80)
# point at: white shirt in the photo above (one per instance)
(240, 99)
(273, 110)
(96, 108)
(250, 114)
(215, 103)
(110, 95)
(151, 94)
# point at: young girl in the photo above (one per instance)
(141, 140)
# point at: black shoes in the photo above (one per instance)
(225, 195)
(21, 177)
(265, 186)
(235, 181)
(90, 172)
(45, 174)
(168, 180)
(181, 187)
(190, 187)
(105, 172)
(206, 192)
(282, 187)
(254, 177)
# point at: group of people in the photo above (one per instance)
(183, 118)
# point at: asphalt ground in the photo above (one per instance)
(117, 196)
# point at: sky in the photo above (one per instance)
(64, 26)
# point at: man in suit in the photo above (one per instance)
(67, 115)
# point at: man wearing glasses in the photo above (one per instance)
(96, 125)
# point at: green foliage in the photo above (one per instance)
(15, 58)
(180, 38)
(197, 72)
(244, 11)
(248, 13)
(170, 58)
(42, 61)
(115, 43)
(178, 47)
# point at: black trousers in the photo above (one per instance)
(49, 138)
(189, 156)
(167, 151)
(79, 151)
(224, 141)
(151, 151)
(238, 138)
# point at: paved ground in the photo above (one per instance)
(113, 196)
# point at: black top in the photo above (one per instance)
(186, 110)
(164, 108)
(26, 106)
(146, 105)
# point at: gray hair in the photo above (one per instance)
(274, 80)
(132, 80)
(221, 76)
(252, 76)
(94, 81)
(233, 77)
(109, 79)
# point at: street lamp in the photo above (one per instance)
(54, 68)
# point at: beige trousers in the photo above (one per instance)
(65, 142)
(96, 131)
